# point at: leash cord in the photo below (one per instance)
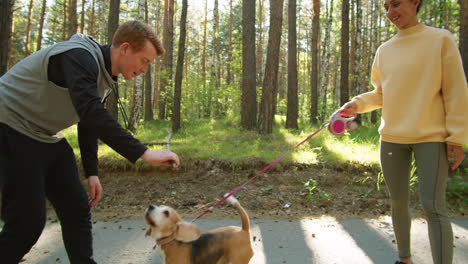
(209, 210)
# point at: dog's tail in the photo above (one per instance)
(243, 214)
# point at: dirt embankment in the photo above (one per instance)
(347, 190)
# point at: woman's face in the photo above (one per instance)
(402, 13)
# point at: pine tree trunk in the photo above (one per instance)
(464, 33)
(270, 80)
(314, 79)
(82, 20)
(136, 106)
(176, 115)
(375, 28)
(327, 60)
(344, 85)
(41, 25)
(6, 23)
(352, 52)
(72, 19)
(157, 63)
(206, 109)
(357, 60)
(65, 20)
(249, 92)
(216, 69)
(293, 108)
(148, 110)
(112, 25)
(229, 59)
(259, 55)
(93, 18)
(167, 65)
(28, 28)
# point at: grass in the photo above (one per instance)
(223, 139)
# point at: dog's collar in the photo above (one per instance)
(165, 240)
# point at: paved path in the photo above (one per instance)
(325, 240)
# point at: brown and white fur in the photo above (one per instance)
(183, 243)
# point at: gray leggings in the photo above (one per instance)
(432, 171)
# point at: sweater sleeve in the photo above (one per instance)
(372, 100)
(454, 92)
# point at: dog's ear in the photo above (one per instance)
(187, 232)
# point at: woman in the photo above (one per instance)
(421, 87)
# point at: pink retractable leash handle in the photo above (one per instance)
(339, 123)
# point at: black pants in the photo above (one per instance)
(33, 171)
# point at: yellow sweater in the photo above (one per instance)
(420, 85)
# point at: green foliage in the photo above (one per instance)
(224, 139)
(457, 188)
(268, 189)
(315, 195)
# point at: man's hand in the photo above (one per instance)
(454, 155)
(161, 157)
(95, 190)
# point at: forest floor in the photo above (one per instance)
(349, 191)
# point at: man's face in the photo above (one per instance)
(133, 63)
(402, 13)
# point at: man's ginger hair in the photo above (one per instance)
(135, 33)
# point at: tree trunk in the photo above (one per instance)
(148, 109)
(206, 108)
(216, 69)
(65, 20)
(352, 49)
(6, 22)
(82, 22)
(72, 19)
(176, 119)
(28, 28)
(327, 60)
(375, 43)
(93, 18)
(135, 104)
(344, 85)
(157, 63)
(259, 54)
(112, 25)
(357, 51)
(167, 65)
(229, 58)
(249, 92)
(148, 95)
(41, 25)
(270, 80)
(137, 100)
(464, 33)
(314, 79)
(293, 109)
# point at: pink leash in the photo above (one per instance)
(262, 171)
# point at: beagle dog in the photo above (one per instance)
(183, 243)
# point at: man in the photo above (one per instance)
(41, 95)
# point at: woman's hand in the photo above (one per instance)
(454, 155)
(349, 109)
